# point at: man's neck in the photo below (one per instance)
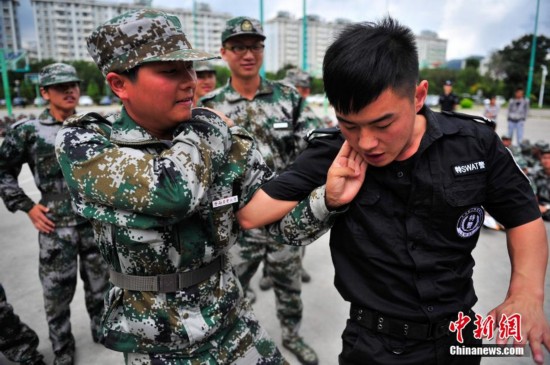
(60, 114)
(248, 87)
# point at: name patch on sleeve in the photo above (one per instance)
(468, 168)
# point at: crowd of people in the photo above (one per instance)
(168, 237)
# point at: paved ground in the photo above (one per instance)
(325, 312)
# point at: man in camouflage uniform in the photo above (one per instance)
(64, 237)
(272, 112)
(301, 80)
(18, 342)
(206, 79)
(541, 179)
(161, 185)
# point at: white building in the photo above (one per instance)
(62, 25)
(284, 41)
(10, 37)
(432, 51)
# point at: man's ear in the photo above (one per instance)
(118, 84)
(44, 93)
(420, 95)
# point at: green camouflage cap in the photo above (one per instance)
(203, 66)
(242, 25)
(140, 36)
(540, 144)
(57, 73)
(298, 77)
(522, 163)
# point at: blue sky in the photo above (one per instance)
(471, 27)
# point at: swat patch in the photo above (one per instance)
(469, 168)
(470, 222)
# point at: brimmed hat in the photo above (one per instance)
(298, 78)
(141, 36)
(57, 73)
(242, 25)
(204, 66)
(448, 83)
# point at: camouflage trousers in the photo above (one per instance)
(244, 343)
(18, 342)
(283, 264)
(60, 253)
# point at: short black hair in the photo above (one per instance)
(365, 60)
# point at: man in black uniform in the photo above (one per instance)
(402, 249)
(448, 100)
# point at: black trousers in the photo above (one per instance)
(362, 346)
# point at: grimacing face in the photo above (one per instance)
(386, 130)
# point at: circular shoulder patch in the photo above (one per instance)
(470, 222)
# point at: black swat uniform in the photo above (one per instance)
(402, 252)
(448, 102)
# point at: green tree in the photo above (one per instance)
(92, 90)
(512, 63)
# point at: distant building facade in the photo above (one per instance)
(432, 50)
(61, 28)
(10, 36)
(285, 41)
(62, 25)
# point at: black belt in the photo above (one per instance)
(401, 328)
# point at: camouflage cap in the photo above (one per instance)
(203, 66)
(298, 78)
(141, 36)
(540, 144)
(242, 25)
(57, 73)
(522, 163)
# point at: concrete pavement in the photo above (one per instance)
(325, 312)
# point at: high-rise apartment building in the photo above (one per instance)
(63, 25)
(284, 41)
(10, 37)
(432, 50)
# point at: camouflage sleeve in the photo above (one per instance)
(308, 221)
(257, 172)
(12, 158)
(307, 121)
(170, 184)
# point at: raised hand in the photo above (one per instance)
(345, 177)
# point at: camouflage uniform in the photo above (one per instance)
(165, 208)
(32, 142)
(18, 342)
(154, 212)
(276, 120)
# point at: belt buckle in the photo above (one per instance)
(167, 283)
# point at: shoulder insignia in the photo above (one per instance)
(331, 132)
(80, 119)
(19, 123)
(475, 118)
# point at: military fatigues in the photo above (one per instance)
(160, 209)
(18, 342)
(32, 142)
(275, 120)
(402, 251)
(542, 183)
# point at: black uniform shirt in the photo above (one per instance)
(404, 246)
(448, 102)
